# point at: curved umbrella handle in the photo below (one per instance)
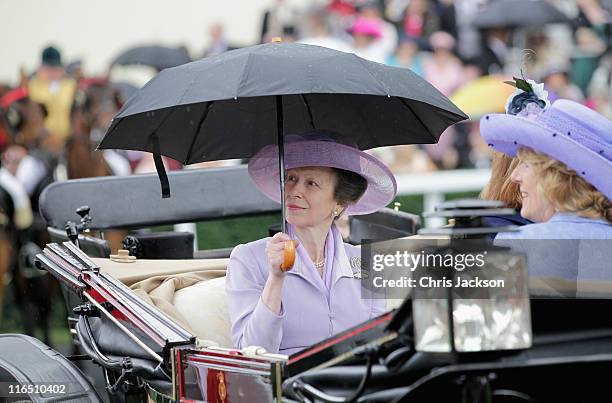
(289, 255)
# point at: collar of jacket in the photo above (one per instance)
(341, 264)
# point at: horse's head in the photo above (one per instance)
(24, 118)
(95, 104)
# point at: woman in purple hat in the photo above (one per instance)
(565, 153)
(286, 311)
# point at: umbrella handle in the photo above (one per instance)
(289, 255)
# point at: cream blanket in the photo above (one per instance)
(192, 292)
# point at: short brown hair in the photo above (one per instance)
(565, 189)
(349, 186)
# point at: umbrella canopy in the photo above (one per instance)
(483, 95)
(231, 105)
(225, 106)
(158, 57)
(518, 13)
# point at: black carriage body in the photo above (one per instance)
(32, 371)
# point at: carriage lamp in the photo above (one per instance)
(469, 310)
(498, 318)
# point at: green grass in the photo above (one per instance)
(11, 319)
(411, 204)
(462, 195)
(231, 232)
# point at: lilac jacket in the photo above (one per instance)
(567, 246)
(309, 313)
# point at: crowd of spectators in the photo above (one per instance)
(439, 40)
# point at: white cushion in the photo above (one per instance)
(204, 306)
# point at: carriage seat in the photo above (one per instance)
(204, 306)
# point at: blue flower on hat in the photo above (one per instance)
(527, 92)
(521, 101)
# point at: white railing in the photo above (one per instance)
(433, 186)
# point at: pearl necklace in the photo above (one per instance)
(319, 265)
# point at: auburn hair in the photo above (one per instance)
(500, 187)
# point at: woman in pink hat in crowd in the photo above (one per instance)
(367, 39)
(286, 311)
(564, 170)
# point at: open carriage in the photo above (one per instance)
(160, 330)
(168, 293)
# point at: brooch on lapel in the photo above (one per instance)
(356, 266)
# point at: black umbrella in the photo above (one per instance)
(158, 57)
(518, 13)
(233, 104)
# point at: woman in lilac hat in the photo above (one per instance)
(286, 311)
(565, 153)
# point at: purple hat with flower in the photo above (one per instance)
(318, 149)
(565, 131)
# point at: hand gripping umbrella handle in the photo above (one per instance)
(289, 255)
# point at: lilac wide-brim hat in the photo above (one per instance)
(566, 131)
(311, 150)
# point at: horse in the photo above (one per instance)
(96, 102)
(27, 168)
